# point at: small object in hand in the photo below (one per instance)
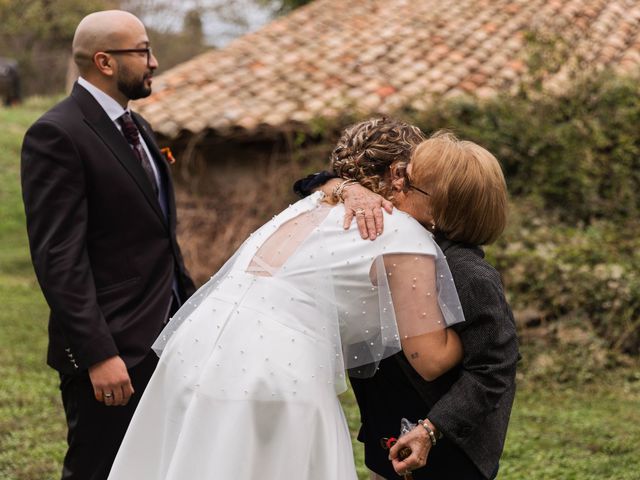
(405, 427)
(404, 453)
(387, 443)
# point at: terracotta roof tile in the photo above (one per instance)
(380, 55)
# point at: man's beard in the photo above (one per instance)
(131, 87)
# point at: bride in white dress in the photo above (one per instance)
(250, 368)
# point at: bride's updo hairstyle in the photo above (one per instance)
(367, 149)
(468, 193)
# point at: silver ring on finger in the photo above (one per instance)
(359, 211)
(108, 395)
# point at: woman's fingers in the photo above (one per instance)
(412, 462)
(367, 207)
(369, 218)
(362, 224)
(387, 205)
(348, 218)
(419, 445)
(378, 220)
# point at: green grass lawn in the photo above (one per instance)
(559, 430)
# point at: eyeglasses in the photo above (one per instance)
(409, 185)
(146, 50)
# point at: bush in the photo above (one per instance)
(578, 151)
(588, 277)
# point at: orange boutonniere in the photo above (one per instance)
(166, 151)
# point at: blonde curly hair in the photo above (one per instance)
(367, 149)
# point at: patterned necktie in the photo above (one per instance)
(132, 135)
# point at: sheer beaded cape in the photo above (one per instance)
(249, 367)
(361, 296)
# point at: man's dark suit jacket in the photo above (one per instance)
(104, 253)
(471, 404)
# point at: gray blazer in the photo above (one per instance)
(471, 406)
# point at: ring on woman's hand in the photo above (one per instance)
(108, 395)
(359, 211)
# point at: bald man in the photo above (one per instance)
(101, 221)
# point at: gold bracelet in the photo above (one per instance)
(339, 190)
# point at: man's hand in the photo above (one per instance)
(367, 207)
(111, 382)
(420, 444)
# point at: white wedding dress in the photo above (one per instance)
(247, 382)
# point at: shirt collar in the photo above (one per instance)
(112, 108)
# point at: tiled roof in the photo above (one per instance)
(378, 55)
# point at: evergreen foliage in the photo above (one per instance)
(577, 151)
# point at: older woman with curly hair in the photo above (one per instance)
(456, 190)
